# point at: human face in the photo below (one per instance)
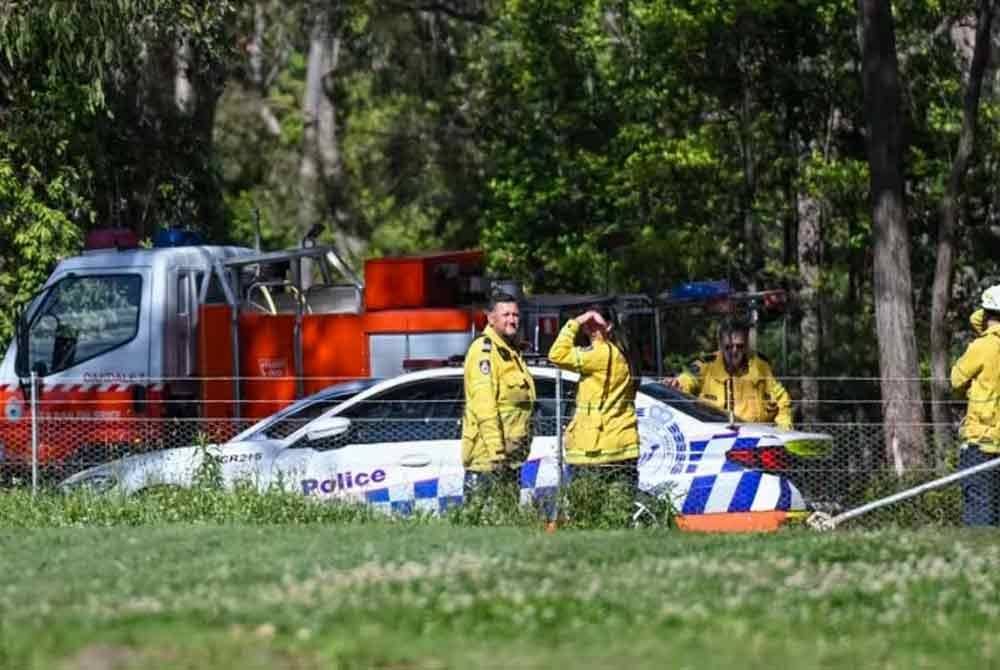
(505, 319)
(734, 350)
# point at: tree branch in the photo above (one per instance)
(478, 16)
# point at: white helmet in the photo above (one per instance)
(991, 299)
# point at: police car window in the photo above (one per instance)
(81, 317)
(545, 405)
(290, 423)
(430, 409)
(683, 402)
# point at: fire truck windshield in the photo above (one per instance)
(81, 317)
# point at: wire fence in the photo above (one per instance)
(401, 448)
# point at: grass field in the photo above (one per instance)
(410, 595)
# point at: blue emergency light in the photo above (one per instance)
(701, 290)
(176, 237)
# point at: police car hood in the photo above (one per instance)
(169, 467)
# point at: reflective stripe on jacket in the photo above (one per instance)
(979, 370)
(754, 395)
(604, 427)
(499, 399)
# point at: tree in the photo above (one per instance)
(949, 213)
(893, 292)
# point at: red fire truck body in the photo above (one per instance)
(134, 348)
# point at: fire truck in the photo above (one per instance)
(128, 347)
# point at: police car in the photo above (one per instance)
(396, 444)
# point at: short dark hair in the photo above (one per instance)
(498, 297)
(733, 325)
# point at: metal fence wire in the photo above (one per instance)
(66, 439)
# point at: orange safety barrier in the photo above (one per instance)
(736, 522)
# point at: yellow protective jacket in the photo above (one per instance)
(499, 399)
(754, 395)
(979, 370)
(604, 427)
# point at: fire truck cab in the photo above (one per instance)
(135, 347)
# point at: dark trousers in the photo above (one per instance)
(980, 492)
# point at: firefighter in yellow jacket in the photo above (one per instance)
(499, 400)
(737, 381)
(603, 437)
(978, 372)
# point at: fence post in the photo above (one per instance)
(559, 445)
(34, 433)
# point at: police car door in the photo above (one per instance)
(401, 450)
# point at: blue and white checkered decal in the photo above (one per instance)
(432, 496)
(426, 495)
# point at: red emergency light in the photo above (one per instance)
(111, 238)
(769, 459)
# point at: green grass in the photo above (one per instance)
(353, 592)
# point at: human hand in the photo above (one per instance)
(672, 382)
(594, 317)
(978, 321)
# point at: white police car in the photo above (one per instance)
(396, 444)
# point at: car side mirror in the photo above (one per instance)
(330, 426)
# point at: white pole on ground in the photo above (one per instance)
(34, 433)
(823, 521)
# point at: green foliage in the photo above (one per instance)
(940, 507)
(586, 146)
(164, 504)
(34, 230)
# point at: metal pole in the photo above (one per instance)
(34, 433)
(559, 446)
(297, 281)
(823, 522)
(232, 293)
(659, 342)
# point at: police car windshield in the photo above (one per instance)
(684, 403)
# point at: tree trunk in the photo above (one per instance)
(897, 344)
(258, 74)
(944, 268)
(751, 229)
(319, 166)
(809, 257)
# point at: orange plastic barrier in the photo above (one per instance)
(735, 522)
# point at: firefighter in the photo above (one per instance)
(737, 381)
(978, 371)
(603, 437)
(499, 400)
